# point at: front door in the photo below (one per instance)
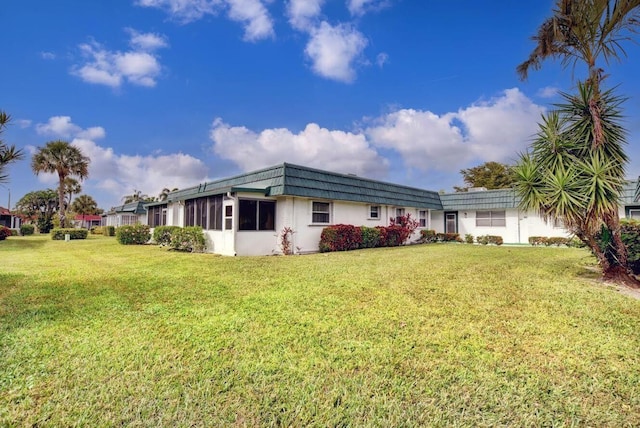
(451, 222)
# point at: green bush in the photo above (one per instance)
(489, 239)
(97, 230)
(162, 234)
(428, 236)
(370, 237)
(630, 231)
(27, 229)
(575, 242)
(59, 234)
(137, 234)
(189, 239)
(15, 232)
(538, 240)
(448, 237)
(4, 233)
(557, 241)
(109, 231)
(468, 238)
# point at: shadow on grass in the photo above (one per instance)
(23, 242)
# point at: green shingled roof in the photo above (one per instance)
(137, 207)
(480, 200)
(293, 180)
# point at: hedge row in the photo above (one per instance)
(59, 234)
(27, 229)
(103, 230)
(136, 234)
(489, 239)
(345, 237)
(630, 231)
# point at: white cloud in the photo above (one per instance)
(303, 12)
(254, 16)
(47, 55)
(314, 146)
(382, 59)
(24, 123)
(139, 66)
(493, 130)
(183, 10)
(548, 92)
(333, 51)
(360, 7)
(58, 126)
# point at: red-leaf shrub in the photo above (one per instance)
(407, 226)
(340, 237)
(4, 232)
(391, 236)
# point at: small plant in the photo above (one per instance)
(4, 233)
(27, 229)
(162, 234)
(489, 239)
(406, 225)
(137, 234)
(468, 238)
(538, 240)
(109, 231)
(285, 240)
(428, 236)
(448, 237)
(189, 239)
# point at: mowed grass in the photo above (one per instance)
(93, 333)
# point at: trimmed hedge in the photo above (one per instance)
(137, 234)
(391, 236)
(489, 239)
(630, 231)
(370, 237)
(189, 239)
(549, 241)
(27, 229)
(340, 237)
(59, 234)
(4, 233)
(428, 236)
(162, 234)
(109, 231)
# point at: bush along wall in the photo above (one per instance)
(340, 237)
(630, 230)
(489, 239)
(189, 239)
(59, 234)
(137, 234)
(162, 234)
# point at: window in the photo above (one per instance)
(190, 212)
(320, 212)
(228, 217)
(215, 213)
(399, 213)
(256, 215)
(157, 216)
(374, 212)
(634, 213)
(128, 219)
(490, 219)
(422, 218)
(205, 212)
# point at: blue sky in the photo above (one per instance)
(172, 93)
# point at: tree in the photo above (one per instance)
(85, 204)
(587, 32)
(39, 206)
(71, 187)
(64, 159)
(136, 196)
(8, 154)
(164, 194)
(490, 175)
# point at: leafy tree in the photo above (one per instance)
(8, 154)
(64, 159)
(39, 206)
(71, 187)
(490, 175)
(85, 204)
(584, 130)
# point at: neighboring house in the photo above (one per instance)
(131, 213)
(244, 215)
(630, 204)
(6, 219)
(87, 221)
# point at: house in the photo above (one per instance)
(496, 212)
(243, 215)
(131, 213)
(7, 219)
(87, 221)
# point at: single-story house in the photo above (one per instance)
(244, 215)
(127, 214)
(87, 221)
(7, 219)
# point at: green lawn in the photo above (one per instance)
(93, 333)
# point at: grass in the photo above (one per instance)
(93, 333)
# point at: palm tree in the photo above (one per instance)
(588, 32)
(64, 159)
(8, 154)
(136, 196)
(84, 204)
(71, 187)
(164, 194)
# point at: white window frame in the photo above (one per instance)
(423, 218)
(328, 212)
(495, 218)
(634, 213)
(378, 212)
(400, 212)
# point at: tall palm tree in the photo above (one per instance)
(71, 187)
(8, 153)
(64, 159)
(136, 196)
(164, 194)
(84, 204)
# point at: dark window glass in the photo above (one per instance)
(247, 219)
(267, 215)
(189, 212)
(320, 212)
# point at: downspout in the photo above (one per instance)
(233, 222)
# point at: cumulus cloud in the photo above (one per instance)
(360, 7)
(314, 146)
(139, 66)
(490, 130)
(302, 13)
(114, 175)
(382, 59)
(334, 49)
(252, 14)
(548, 92)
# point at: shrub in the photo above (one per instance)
(406, 226)
(137, 234)
(448, 237)
(630, 231)
(44, 223)
(97, 230)
(468, 238)
(340, 237)
(59, 234)
(537, 240)
(285, 240)
(162, 234)
(189, 239)
(4, 233)
(575, 242)
(489, 239)
(109, 231)
(428, 236)
(15, 232)
(27, 229)
(390, 236)
(370, 237)
(557, 241)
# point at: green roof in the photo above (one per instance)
(137, 207)
(480, 200)
(631, 192)
(294, 180)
